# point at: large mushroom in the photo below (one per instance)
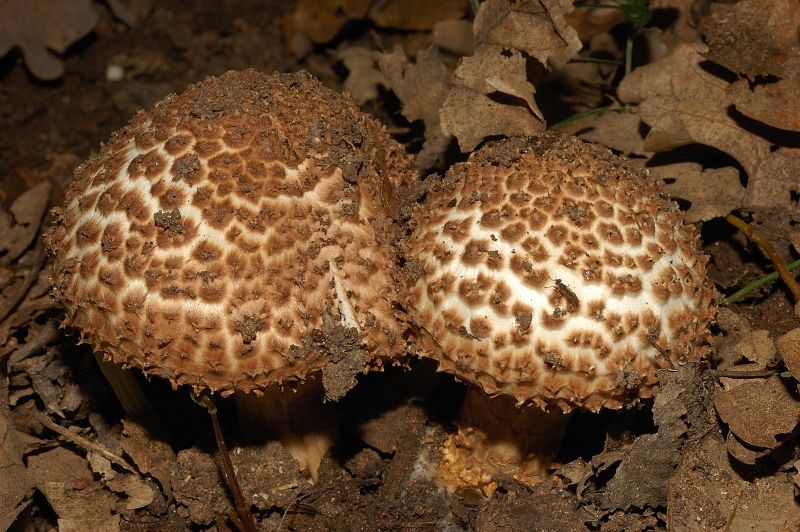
(550, 275)
(238, 237)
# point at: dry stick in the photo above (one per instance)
(241, 505)
(82, 442)
(755, 236)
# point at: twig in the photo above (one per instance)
(755, 236)
(758, 283)
(82, 442)
(242, 507)
(746, 374)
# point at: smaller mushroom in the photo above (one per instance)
(235, 238)
(550, 275)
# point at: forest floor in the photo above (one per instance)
(708, 105)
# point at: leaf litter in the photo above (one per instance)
(709, 109)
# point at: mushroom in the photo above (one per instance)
(550, 275)
(237, 238)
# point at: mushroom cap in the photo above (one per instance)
(550, 270)
(236, 235)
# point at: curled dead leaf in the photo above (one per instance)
(536, 27)
(684, 103)
(789, 348)
(713, 192)
(754, 37)
(490, 95)
(38, 26)
(759, 413)
(422, 88)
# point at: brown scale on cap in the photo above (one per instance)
(607, 281)
(217, 233)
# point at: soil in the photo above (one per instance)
(663, 462)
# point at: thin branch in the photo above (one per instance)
(82, 442)
(755, 236)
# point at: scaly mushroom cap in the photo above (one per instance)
(549, 269)
(228, 236)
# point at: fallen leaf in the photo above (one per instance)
(420, 15)
(536, 27)
(15, 482)
(754, 37)
(760, 414)
(641, 479)
(321, 20)
(131, 12)
(789, 348)
(713, 192)
(490, 95)
(151, 456)
(617, 129)
(78, 510)
(137, 491)
(774, 104)
(20, 224)
(684, 103)
(38, 26)
(454, 36)
(363, 75)
(742, 452)
(422, 88)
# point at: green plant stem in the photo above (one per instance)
(629, 51)
(580, 116)
(474, 5)
(595, 60)
(579, 5)
(242, 508)
(758, 283)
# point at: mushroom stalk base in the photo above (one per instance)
(295, 415)
(131, 396)
(496, 438)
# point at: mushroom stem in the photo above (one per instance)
(295, 415)
(496, 437)
(131, 396)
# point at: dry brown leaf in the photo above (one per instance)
(363, 76)
(15, 483)
(774, 104)
(713, 192)
(536, 27)
(759, 412)
(684, 103)
(789, 348)
(137, 491)
(454, 36)
(421, 87)
(38, 26)
(82, 509)
(321, 20)
(618, 130)
(744, 453)
(491, 95)
(417, 15)
(19, 226)
(131, 12)
(591, 22)
(151, 456)
(755, 37)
